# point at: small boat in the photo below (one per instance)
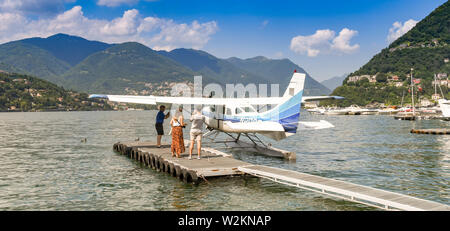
(408, 113)
(427, 111)
(444, 104)
(317, 110)
(336, 112)
(354, 110)
(387, 111)
(367, 111)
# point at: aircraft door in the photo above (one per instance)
(215, 115)
(220, 111)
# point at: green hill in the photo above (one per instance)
(32, 60)
(127, 65)
(68, 48)
(426, 48)
(212, 67)
(9, 69)
(279, 71)
(49, 58)
(435, 25)
(25, 93)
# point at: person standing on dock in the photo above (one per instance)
(196, 132)
(159, 123)
(177, 123)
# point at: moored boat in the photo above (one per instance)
(444, 104)
(336, 112)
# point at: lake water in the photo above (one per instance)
(45, 166)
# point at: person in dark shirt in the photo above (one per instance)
(159, 123)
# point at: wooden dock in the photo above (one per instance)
(215, 163)
(434, 131)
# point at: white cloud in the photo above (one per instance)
(324, 41)
(342, 41)
(398, 29)
(10, 21)
(154, 32)
(173, 35)
(149, 24)
(114, 3)
(127, 25)
(312, 44)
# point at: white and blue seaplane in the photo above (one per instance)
(237, 117)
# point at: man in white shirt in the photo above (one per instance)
(196, 133)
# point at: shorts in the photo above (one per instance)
(159, 128)
(196, 135)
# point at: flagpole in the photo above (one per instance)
(412, 93)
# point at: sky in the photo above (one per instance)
(326, 38)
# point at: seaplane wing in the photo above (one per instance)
(204, 101)
(317, 98)
(189, 100)
(126, 98)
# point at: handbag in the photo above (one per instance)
(176, 124)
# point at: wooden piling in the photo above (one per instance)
(433, 131)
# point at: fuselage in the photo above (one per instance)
(235, 120)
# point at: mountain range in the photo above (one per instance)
(279, 71)
(92, 66)
(334, 82)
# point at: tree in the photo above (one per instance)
(381, 77)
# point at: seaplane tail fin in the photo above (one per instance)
(296, 85)
(287, 113)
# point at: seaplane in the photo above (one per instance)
(238, 117)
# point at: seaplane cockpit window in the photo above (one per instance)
(212, 108)
(238, 111)
(228, 111)
(249, 109)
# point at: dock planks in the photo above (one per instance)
(348, 191)
(216, 163)
(212, 162)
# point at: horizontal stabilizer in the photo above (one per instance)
(322, 124)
